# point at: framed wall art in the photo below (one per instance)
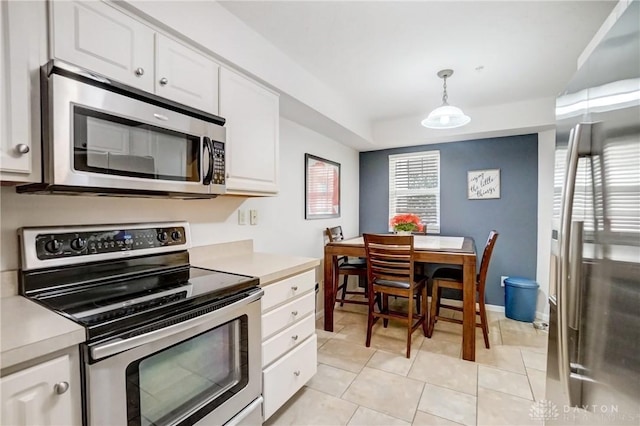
(483, 184)
(322, 188)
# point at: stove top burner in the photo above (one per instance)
(123, 293)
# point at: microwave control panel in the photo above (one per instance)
(218, 164)
(61, 245)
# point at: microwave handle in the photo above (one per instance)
(209, 147)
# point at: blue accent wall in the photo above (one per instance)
(513, 215)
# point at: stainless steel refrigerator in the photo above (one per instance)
(593, 360)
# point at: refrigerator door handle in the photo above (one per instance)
(574, 282)
(576, 146)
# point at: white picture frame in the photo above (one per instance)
(483, 184)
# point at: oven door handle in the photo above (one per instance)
(120, 345)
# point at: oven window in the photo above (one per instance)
(107, 144)
(198, 374)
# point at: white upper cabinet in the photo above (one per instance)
(96, 36)
(23, 38)
(252, 114)
(186, 76)
(102, 39)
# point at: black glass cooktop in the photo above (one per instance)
(115, 297)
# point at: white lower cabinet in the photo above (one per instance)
(286, 376)
(289, 342)
(42, 395)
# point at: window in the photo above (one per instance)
(414, 187)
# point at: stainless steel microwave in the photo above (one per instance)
(103, 137)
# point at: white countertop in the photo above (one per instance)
(30, 331)
(268, 267)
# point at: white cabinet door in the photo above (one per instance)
(34, 396)
(95, 36)
(24, 41)
(252, 114)
(186, 76)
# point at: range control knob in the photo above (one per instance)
(163, 236)
(176, 235)
(53, 246)
(78, 244)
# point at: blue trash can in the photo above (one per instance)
(520, 297)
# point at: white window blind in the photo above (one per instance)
(414, 187)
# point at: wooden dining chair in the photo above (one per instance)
(348, 267)
(391, 273)
(452, 278)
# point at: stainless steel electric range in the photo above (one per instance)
(167, 343)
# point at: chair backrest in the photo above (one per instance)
(389, 257)
(334, 234)
(486, 258)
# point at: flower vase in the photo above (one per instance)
(403, 232)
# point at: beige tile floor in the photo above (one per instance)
(356, 385)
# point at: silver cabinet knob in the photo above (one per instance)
(296, 373)
(294, 337)
(139, 71)
(294, 288)
(163, 81)
(294, 313)
(22, 148)
(61, 387)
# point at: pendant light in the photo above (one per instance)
(445, 116)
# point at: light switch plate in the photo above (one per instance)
(253, 216)
(242, 217)
(502, 278)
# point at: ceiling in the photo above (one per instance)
(384, 55)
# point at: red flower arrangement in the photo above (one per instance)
(406, 222)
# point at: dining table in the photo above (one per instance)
(450, 250)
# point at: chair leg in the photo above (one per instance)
(483, 321)
(344, 289)
(370, 317)
(409, 323)
(435, 301)
(425, 315)
(385, 309)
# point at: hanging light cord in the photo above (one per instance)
(444, 94)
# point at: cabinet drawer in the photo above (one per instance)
(287, 375)
(275, 294)
(287, 339)
(286, 315)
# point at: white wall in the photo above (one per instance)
(281, 225)
(546, 155)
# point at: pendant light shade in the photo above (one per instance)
(445, 116)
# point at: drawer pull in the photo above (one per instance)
(294, 313)
(295, 337)
(294, 288)
(296, 373)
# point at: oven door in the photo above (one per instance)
(96, 138)
(208, 366)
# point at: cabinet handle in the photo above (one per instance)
(139, 71)
(296, 373)
(294, 288)
(227, 175)
(61, 387)
(22, 148)
(294, 337)
(294, 313)
(163, 81)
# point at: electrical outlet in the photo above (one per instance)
(242, 217)
(502, 278)
(253, 216)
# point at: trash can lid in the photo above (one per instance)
(520, 282)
